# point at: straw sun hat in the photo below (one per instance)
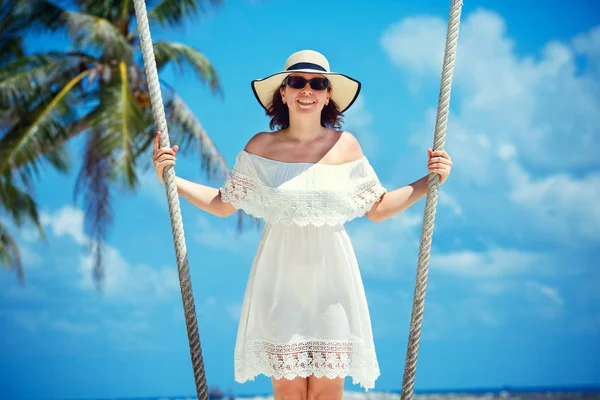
(344, 89)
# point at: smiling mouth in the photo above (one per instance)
(306, 102)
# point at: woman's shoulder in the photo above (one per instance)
(349, 146)
(258, 142)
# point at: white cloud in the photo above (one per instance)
(132, 282)
(546, 105)
(503, 272)
(588, 45)
(447, 200)
(566, 205)
(550, 293)
(44, 320)
(491, 263)
(522, 125)
(388, 247)
(67, 221)
(123, 280)
(407, 43)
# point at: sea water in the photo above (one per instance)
(505, 394)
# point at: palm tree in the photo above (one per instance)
(95, 91)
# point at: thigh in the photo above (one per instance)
(325, 388)
(290, 389)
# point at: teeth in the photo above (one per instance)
(306, 101)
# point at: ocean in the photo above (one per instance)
(478, 394)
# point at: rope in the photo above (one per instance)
(160, 121)
(439, 139)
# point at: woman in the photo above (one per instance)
(304, 319)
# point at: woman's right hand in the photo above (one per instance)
(162, 158)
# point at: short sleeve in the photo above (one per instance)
(241, 186)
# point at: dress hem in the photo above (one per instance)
(321, 358)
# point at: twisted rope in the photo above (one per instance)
(160, 122)
(439, 140)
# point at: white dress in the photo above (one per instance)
(304, 310)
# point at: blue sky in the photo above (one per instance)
(513, 293)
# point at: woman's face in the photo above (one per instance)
(303, 97)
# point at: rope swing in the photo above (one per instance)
(177, 224)
(439, 139)
(160, 122)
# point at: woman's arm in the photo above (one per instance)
(398, 200)
(204, 197)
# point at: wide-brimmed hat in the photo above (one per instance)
(345, 89)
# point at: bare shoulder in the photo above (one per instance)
(258, 143)
(350, 147)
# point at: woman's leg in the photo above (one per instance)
(325, 389)
(286, 389)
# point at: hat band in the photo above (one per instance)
(306, 65)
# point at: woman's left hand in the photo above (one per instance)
(440, 163)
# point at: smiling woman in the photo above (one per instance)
(341, 91)
(304, 320)
(331, 117)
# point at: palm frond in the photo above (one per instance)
(93, 184)
(106, 9)
(171, 13)
(8, 117)
(10, 256)
(121, 119)
(127, 11)
(11, 48)
(184, 56)
(116, 125)
(21, 207)
(39, 133)
(130, 124)
(99, 34)
(18, 17)
(40, 15)
(188, 133)
(19, 204)
(23, 80)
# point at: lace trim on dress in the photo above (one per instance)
(304, 206)
(320, 358)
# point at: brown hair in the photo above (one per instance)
(331, 117)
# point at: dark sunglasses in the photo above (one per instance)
(299, 82)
